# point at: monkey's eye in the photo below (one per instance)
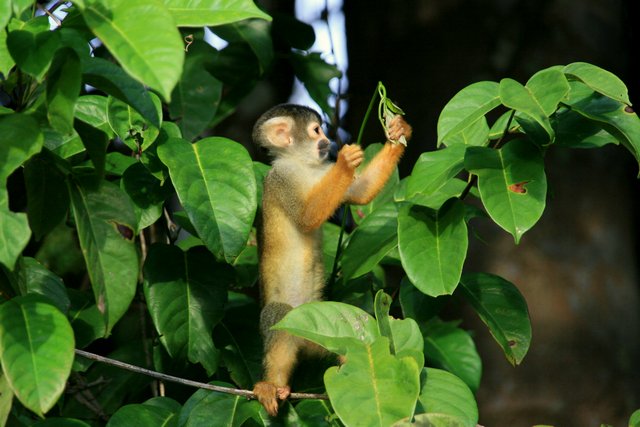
(317, 130)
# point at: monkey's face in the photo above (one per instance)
(318, 141)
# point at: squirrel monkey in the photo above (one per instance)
(301, 192)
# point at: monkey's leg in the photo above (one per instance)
(281, 353)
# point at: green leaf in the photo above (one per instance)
(256, 34)
(95, 143)
(144, 415)
(6, 61)
(616, 118)
(201, 13)
(503, 309)
(60, 422)
(598, 79)
(333, 325)
(466, 107)
(47, 196)
(295, 33)
(153, 57)
(92, 109)
(475, 134)
(444, 393)
(383, 388)
(434, 169)
(432, 420)
(110, 78)
(209, 408)
(186, 293)
(216, 185)
(315, 74)
(451, 348)
(370, 242)
(36, 279)
(407, 339)
(433, 246)
(381, 305)
(36, 350)
(548, 87)
(5, 16)
(20, 138)
(14, 233)
(634, 420)
(33, 47)
(63, 88)
(574, 130)
(196, 98)
(105, 221)
(512, 184)
(416, 305)
(64, 146)
(133, 129)
(532, 115)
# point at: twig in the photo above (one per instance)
(236, 391)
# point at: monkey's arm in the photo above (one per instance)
(319, 203)
(366, 186)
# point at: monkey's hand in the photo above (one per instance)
(398, 128)
(350, 157)
(268, 395)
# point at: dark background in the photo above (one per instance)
(578, 267)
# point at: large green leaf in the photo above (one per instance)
(63, 88)
(255, 34)
(209, 408)
(33, 46)
(407, 339)
(153, 57)
(434, 169)
(186, 293)
(200, 13)
(383, 388)
(144, 415)
(475, 134)
(433, 246)
(6, 61)
(574, 130)
(333, 325)
(531, 116)
(20, 138)
(6, 399)
(36, 350)
(503, 309)
(548, 87)
(451, 348)
(444, 393)
(466, 107)
(196, 97)
(216, 185)
(106, 222)
(599, 80)
(47, 195)
(370, 242)
(110, 78)
(146, 192)
(634, 420)
(512, 184)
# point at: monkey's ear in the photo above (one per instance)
(279, 131)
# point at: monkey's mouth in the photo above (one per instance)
(324, 147)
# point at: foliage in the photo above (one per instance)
(104, 139)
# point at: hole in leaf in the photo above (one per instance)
(518, 187)
(512, 343)
(628, 109)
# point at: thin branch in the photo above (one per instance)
(238, 392)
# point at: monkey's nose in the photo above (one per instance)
(333, 150)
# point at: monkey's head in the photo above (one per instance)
(292, 130)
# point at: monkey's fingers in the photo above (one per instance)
(267, 396)
(283, 392)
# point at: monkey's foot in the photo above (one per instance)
(268, 395)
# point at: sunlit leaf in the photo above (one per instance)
(315, 74)
(133, 129)
(63, 88)
(36, 279)
(512, 184)
(444, 393)
(433, 246)
(598, 79)
(466, 107)
(211, 408)
(503, 309)
(434, 169)
(216, 185)
(530, 113)
(33, 46)
(383, 388)
(153, 57)
(144, 415)
(36, 350)
(548, 87)
(200, 13)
